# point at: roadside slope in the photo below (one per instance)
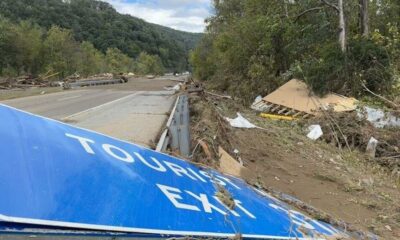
(280, 158)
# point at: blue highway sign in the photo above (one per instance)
(53, 174)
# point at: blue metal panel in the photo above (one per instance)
(58, 175)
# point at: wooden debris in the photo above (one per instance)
(206, 149)
(217, 95)
(227, 164)
(28, 81)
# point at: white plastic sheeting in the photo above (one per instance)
(371, 147)
(379, 118)
(315, 132)
(256, 104)
(240, 122)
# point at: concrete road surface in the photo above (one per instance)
(135, 116)
(63, 104)
(138, 117)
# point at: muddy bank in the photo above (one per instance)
(345, 185)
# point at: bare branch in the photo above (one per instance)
(392, 104)
(307, 11)
(330, 5)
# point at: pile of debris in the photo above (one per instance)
(76, 80)
(27, 81)
(337, 120)
(349, 130)
(276, 155)
(294, 100)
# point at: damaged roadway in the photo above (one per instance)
(276, 157)
(135, 111)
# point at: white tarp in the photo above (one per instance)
(240, 122)
(379, 118)
(371, 147)
(315, 132)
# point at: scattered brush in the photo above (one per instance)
(225, 197)
(348, 130)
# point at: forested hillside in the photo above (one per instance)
(253, 46)
(97, 24)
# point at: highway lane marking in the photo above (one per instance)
(68, 98)
(102, 105)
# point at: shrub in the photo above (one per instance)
(365, 62)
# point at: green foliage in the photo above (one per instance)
(203, 60)
(20, 47)
(118, 62)
(61, 52)
(92, 60)
(99, 23)
(253, 46)
(28, 49)
(333, 71)
(149, 64)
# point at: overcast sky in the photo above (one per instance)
(186, 15)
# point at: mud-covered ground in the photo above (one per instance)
(343, 185)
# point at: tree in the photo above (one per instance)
(342, 27)
(149, 64)
(253, 46)
(364, 18)
(98, 22)
(29, 44)
(7, 48)
(93, 61)
(117, 62)
(61, 52)
(20, 45)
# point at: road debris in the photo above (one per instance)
(75, 81)
(195, 87)
(240, 122)
(314, 132)
(348, 130)
(218, 95)
(28, 81)
(277, 117)
(258, 99)
(227, 164)
(225, 197)
(176, 88)
(206, 149)
(371, 147)
(331, 179)
(294, 99)
(379, 118)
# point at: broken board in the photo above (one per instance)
(295, 96)
(227, 164)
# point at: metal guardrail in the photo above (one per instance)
(88, 83)
(176, 136)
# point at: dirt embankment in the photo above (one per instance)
(344, 185)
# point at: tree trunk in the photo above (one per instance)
(364, 18)
(342, 27)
